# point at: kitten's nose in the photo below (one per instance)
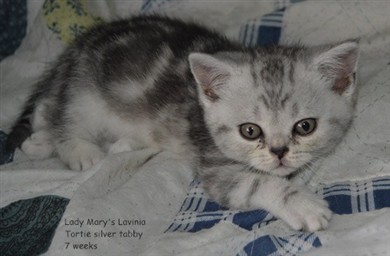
(280, 152)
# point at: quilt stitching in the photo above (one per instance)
(27, 226)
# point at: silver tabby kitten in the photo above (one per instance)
(252, 120)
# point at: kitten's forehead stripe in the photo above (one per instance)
(287, 96)
(256, 110)
(280, 86)
(291, 73)
(276, 76)
(294, 110)
(265, 101)
(272, 71)
(253, 73)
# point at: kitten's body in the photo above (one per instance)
(143, 83)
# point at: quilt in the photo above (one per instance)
(134, 204)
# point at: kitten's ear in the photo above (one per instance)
(339, 63)
(210, 73)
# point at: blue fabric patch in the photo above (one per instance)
(268, 35)
(361, 196)
(27, 226)
(13, 24)
(264, 31)
(198, 212)
(281, 246)
(5, 156)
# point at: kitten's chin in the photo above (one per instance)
(281, 170)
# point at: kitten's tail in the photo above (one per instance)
(22, 128)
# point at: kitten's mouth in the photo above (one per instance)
(283, 163)
(282, 168)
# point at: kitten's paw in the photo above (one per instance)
(305, 211)
(121, 145)
(84, 157)
(38, 145)
(79, 154)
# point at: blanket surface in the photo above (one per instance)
(146, 202)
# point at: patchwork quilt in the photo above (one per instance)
(122, 208)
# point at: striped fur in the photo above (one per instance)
(163, 83)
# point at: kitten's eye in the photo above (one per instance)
(305, 126)
(250, 131)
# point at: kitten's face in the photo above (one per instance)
(279, 111)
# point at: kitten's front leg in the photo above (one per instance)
(298, 206)
(235, 187)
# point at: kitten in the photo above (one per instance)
(249, 118)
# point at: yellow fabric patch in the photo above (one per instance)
(68, 18)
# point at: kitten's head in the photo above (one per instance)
(278, 109)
